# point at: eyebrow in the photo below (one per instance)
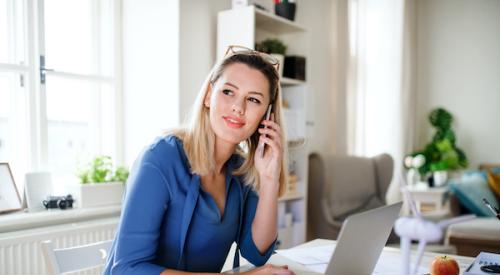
(236, 87)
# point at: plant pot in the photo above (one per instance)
(440, 178)
(281, 60)
(98, 194)
(286, 10)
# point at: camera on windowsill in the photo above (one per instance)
(61, 202)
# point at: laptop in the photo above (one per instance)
(359, 245)
(361, 240)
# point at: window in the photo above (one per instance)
(14, 87)
(58, 83)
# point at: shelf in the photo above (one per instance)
(25, 220)
(296, 143)
(276, 24)
(245, 26)
(285, 81)
(291, 197)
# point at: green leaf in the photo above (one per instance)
(100, 170)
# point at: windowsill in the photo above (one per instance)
(27, 220)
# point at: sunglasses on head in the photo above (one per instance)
(234, 49)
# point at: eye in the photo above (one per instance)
(227, 92)
(254, 100)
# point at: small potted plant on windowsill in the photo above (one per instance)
(100, 184)
(274, 47)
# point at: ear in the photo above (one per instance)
(208, 95)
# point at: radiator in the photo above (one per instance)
(21, 253)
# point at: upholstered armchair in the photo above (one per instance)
(343, 185)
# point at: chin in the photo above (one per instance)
(231, 135)
(231, 138)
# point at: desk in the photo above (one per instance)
(299, 269)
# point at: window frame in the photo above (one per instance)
(31, 72)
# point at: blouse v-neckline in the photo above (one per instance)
(211, 199)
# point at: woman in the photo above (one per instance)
(192, 193)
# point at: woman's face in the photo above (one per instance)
(238, 101)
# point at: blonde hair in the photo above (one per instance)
(198, 136)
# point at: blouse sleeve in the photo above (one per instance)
(138, 233)
(247, 246)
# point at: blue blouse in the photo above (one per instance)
(168, 221)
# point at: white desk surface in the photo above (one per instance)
(299, 269)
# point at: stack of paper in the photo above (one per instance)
(484, 258)
(317, 258)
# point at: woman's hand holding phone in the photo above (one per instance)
(269, 151)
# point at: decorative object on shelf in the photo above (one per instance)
(38, 186)
(265, 5)
(416, 228)
(413, 164)
(292, 183)
(440, 177)
(274, 47)
(285, 9)
(100, 183)
(9, 196)
(295, 67)
(441, 154)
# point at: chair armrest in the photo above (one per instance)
(329, 216)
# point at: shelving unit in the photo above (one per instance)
(245, 27)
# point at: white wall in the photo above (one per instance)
(150, 71)
(198, 39)
(458, 61)
(317, 18)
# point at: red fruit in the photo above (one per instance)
(444, 265)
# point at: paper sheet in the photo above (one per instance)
(484, 258)
(316, 259)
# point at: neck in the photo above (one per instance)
(222, 152)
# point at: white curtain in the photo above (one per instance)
(380, 90)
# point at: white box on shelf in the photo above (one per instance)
(295, 130)
(98, 194)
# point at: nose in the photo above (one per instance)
(239, 107)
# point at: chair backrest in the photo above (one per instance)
(59, 261)
(353, 181)
(343, 185)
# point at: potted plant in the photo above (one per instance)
(441, 154)
(100, 184)
(274, 47)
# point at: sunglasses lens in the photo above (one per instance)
(242, 50)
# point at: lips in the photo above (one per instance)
(234, 122)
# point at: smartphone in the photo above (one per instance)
(268, 116)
